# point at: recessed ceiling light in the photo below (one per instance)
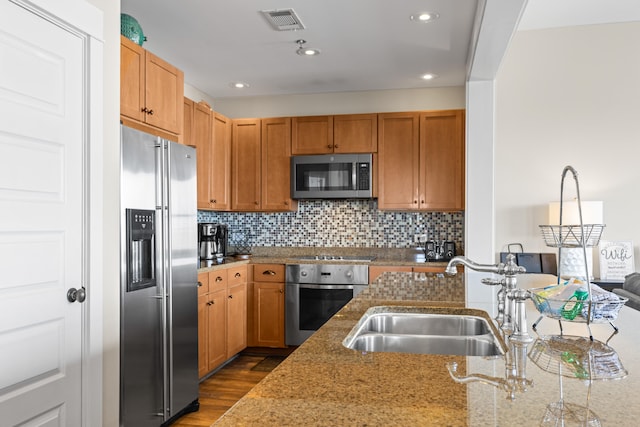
(425, 17)
(429, 76)
(239, 85)
(306, 51)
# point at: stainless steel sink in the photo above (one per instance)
(425, 324)
(415, 330)
(424, 344)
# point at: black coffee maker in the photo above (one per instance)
(212, 241)
(442, 250)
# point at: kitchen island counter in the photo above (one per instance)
(323, 383)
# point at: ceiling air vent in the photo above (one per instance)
(283, 19)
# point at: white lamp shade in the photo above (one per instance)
(572, 263)
(592, 213)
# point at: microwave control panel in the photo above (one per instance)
(363, 176)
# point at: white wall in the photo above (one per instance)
(568, 96)
(195, 94)
(342, 102)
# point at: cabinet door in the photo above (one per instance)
(245, 170)
(187, 129)
(203, 335)
(269, 314)
(236, 319)
(164, 94)
(220, 164)
(237, 275)
(376, 270)
(217, 327)
(355, 133)
(202, 134)
(312, 135)
(276, 164)
(442, 160)
(269, 273)
(398, 160)
(203, 283)
(132, 64)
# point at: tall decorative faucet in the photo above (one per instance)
(512, 320)
(511, 315)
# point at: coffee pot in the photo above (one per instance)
(212, 239)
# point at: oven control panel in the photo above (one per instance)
(330, 274)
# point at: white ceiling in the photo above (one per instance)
(565, 13)
(365, 44)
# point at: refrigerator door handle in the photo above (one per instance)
(162, 211)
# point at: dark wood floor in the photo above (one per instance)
(224, 388)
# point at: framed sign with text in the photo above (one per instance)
(616, 260)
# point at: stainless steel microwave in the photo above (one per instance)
(332, 176)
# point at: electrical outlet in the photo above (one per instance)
(420, 238)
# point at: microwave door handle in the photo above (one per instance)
(354, 176)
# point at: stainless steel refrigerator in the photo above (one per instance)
(159, 301)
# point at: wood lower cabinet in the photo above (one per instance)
(421, 161)
(348, 133)
(376, 270)
(236, 310)
(267, 306)
(151, 89)
(222, 316)
(260, 153)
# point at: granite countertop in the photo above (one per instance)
(412, 257)
(323, 383)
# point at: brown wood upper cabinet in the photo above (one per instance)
(349, 133)
(261, 152)
(151, 89)
(421, 161)
(210, 133)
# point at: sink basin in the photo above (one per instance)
(416, 330)
(425, 324)
(424, 344)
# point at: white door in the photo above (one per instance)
(43, 242)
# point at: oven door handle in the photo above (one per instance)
(323, 286)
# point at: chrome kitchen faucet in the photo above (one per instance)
(512, 320)
(511, 317)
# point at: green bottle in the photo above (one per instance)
(574, 306)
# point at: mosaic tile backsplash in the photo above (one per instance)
(339, 223)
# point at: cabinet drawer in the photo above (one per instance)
(237, 275)
(217, 280)
(203, 283)
(268, 273)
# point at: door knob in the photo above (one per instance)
(74, 295)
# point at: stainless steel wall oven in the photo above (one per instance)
(315, 292)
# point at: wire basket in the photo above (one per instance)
(577, 357)
(604, 311)
(570, 236)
